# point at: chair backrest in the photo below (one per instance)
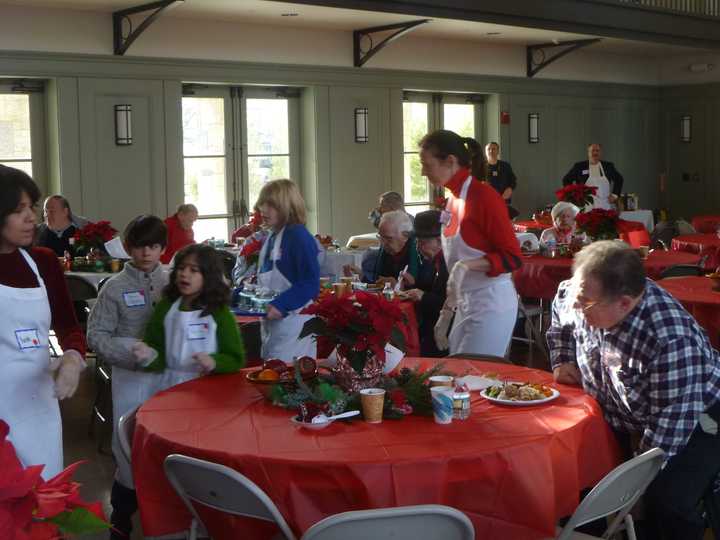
(80, 288)
(617, 492)
(126, 428)
(481, 357)
(252, 342)
(638, 239)
(680, 270)
(222, 488)
(426, 522)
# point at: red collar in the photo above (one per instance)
(455, 184)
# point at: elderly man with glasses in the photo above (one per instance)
(651, 368)
(398, 251)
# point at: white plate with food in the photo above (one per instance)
(518, 394)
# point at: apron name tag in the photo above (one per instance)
(134, 298)
(196, 331)
(28, 338)
(586, 171)
(494, 173)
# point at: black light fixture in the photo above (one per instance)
(533, 128)
(123, 125)
(361, 125)
(686, 129)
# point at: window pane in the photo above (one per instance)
(205, 184)
(415, 125)
(415, 210)
(211, 228)
(15, 127)
(460, 118)
(203, 126)
(416, 185)
(22, 165)
(264, 168)
(267, 126)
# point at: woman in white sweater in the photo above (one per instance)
(563, 230)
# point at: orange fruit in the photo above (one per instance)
(268, 375)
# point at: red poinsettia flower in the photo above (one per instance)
(598, 223)
(578, 194)
(94, 235)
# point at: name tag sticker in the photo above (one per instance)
(27, 338)
(196, 331)
(494, 173)
(445, 217)
(586, 171)
(134, 298)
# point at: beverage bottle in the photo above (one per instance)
(461, 402)
(387, 291)
(67, 261)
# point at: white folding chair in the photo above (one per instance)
(126, 428)
(221, 488)
(617, 493)
(426, 522)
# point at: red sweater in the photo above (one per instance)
(15, 272)
(178, 238)
(485, 224)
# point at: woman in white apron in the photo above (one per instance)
(28, 391)
(479, 246)
(287, 267)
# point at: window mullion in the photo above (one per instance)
(241, 154)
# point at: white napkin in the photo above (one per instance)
(116, 249)
(474, 382)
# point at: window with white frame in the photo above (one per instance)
(423, 113)
(234, 140)
(15, 133)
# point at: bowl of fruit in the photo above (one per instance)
(276, 371)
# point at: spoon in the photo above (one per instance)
(324, 419)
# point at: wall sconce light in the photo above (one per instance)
(123, 125)
(533, 128)
(361, 125)
(686, 129)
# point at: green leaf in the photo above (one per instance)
(79, 521)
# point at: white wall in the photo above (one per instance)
(675, 69)
(42, 29)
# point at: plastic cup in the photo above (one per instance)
(340, 289)
(441, 380)
(346, 280)
(442, 404)
(115, 266)
(372, 401)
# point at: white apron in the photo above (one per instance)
(487, 306)
(280, 337)
(27, 401)
(602, 198)
(186, 333)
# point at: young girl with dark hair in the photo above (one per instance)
(192, 331)
(479, 245)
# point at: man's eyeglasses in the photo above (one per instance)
(587, 306)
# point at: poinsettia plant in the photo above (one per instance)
(34, 509)
(578, 194)
(359, 326)
(94, 235)
(599, 224)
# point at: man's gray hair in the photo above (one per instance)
(392, 199)
(615, 265)
(400, 221)
(187, 208)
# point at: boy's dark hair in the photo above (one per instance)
(13, 183)
(215, 292)
(145, 230)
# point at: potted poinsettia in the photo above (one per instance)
(360, 327)
(578, 194)
(93, 235)
(598, 224)
(34, 509)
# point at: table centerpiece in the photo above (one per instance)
(578, 194)
(598, 224)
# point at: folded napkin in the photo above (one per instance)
(474, 382)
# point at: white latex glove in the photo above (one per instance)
(454, 283)
(442, 326)
(144, 354)
(205, 361)
(67, 374)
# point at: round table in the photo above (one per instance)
(513, 470)
(539, 277)
(701, 298)
(694, 243)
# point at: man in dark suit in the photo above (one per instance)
(595, 167)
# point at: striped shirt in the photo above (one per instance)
(653, 373)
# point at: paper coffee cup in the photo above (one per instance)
(372, 401)
(340, 289)
(442, 404)
(441, 380)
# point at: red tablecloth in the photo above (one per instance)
(699, 298)
(513, 470)
(530, 225)
(539, 277)
(706, 224)
(694, 243)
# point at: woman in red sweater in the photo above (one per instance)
(34, 297)
(479, 246)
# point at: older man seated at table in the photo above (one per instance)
(398, 251)
(563, 229)
(651, 368)
(59, 226)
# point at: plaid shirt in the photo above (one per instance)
(653, 373)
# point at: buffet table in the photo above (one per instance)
(514, 471)
(701, 299)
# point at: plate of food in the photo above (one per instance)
(519, 394)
